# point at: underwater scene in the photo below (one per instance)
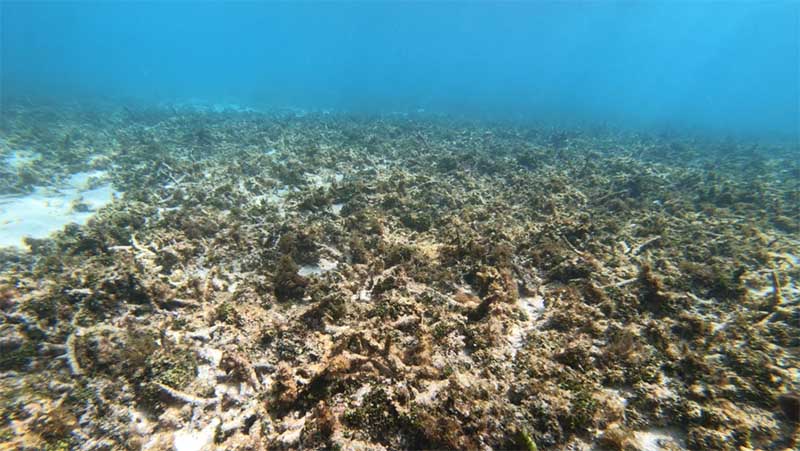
(375, 226)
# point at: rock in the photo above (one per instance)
(790, 406)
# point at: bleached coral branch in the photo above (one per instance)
(186, 397)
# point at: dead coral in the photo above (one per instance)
(441, 284)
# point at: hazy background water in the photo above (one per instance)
(726, 67)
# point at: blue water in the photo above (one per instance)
(721, 67)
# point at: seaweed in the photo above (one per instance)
(288, 283)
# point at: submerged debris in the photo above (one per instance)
(399, 283)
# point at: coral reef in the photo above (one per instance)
(268, 281)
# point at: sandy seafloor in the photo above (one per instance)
(237, 280)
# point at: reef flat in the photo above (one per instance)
(332, 281)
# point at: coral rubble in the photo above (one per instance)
(267, 281)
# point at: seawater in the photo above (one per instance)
(730, 68)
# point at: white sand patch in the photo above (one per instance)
(657, 439)
(206, 373)
(277, 197)
(362, 391)
(336, 208)
(45, 211)
(211, 355)
(620, 395)
(791, 259)
(324, 179)
(323, 266)
(534, 308)
(19, 158)
(761, 292)
(666, 380)
(193, 440)
(233, 390)
(293, 427)
(139, 422)
(515, 338)
(427, 397)
(363, 295)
